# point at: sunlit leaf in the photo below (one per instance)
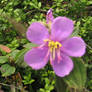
(19, 58)
(14, 53)
(3, 59)
(7, 70)
(30, 45)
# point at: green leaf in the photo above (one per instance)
(18, 55)
(30, 45)
(77, 77)
(33, 5)
(60, 85)
(28, 79)
(19, 59)
(39, 4)
(3, 59)
(7, 70)
(76, 30)
(89, 2)
(28, 82)
(14, 53)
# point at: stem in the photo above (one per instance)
(13, 89)
(8, 85)
(60, 85)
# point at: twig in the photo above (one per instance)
(8, 85)
(89, 47)
(86, 90)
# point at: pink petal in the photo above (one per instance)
(37, 33)
(62, 27)
(64, 67)
(74, 46)
(36, 58)
(49, 16)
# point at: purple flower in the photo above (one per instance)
(49, 16)
(56, 46)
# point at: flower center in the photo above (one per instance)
(54, 46)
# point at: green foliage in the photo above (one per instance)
(16, 16)
(77, 78)
(76, 30)
(49, 86)
(60, 85)
(28, 79)
(3, 59)
(7, 33)
(7, 70)
(14, 44)
(89, 80)
(19, 58)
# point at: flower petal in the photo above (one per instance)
(49, 16)
(37, 33)
(62, 27)
(74, 46)
(36, 58)
(64, 67)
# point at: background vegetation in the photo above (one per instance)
(15, 17)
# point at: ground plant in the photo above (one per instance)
(45, 45)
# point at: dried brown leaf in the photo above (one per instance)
(5, 48)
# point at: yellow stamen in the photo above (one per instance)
(58, 44)
(53, 46)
